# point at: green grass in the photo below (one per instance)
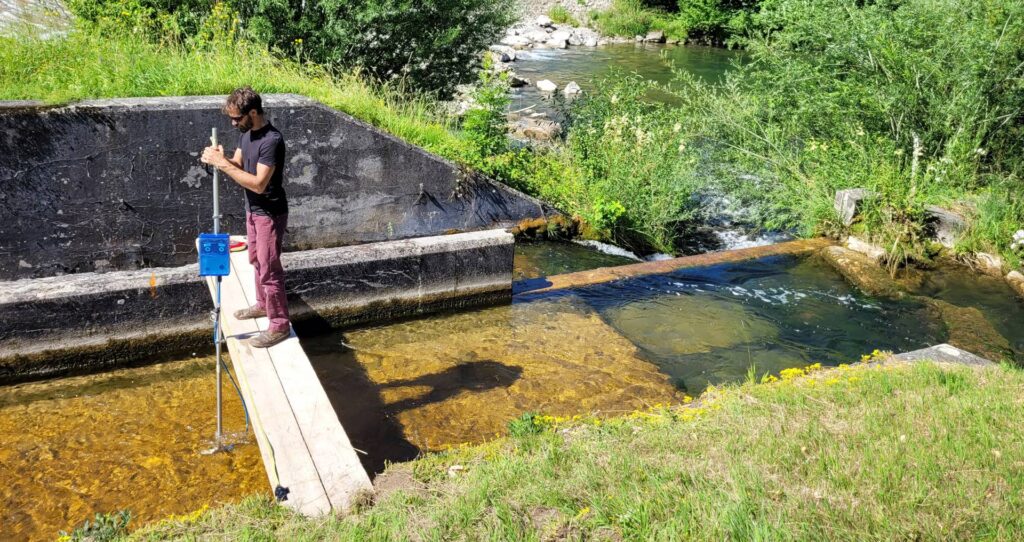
(625, 18)
(873, 452)
(88, 64)
(558, 14)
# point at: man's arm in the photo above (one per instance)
(236, 160)
(257, 183)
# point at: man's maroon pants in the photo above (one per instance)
(265, 236)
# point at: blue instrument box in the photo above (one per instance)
(214, 255)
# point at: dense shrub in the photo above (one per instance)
(432, 45)
(917, 100)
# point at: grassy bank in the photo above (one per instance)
(872, 452)
(107, 65)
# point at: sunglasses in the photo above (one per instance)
(238, 118)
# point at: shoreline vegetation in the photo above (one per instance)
(927, 111)
(877, 450)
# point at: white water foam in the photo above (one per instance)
(734, 239)
(608, 249)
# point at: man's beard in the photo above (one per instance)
(243, 129)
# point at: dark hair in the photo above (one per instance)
(244, 99)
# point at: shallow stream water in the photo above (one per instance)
(133, 438)
(586, 65)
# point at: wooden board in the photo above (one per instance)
(303, 445)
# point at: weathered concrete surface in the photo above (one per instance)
(117, 184)
(856, 244)
(944, 353)
(608, 274)
(862, 271)
(87, 321)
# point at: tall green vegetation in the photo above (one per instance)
(432, 45)
(707, 21)
(920, 101)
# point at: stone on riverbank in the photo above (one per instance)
(848, 203)
(655, 36)
(517, 42)
(572, 89)
(538, 129)
(990, 264)
(945, 225)
(506, 53)
(546, 85)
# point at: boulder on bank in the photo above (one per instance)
(516, 42)
(504, 52)
(945, 225)
(848, 203)
(572, 89)
(655, 36)
(535, 128)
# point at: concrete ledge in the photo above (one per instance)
(608, 274)
(90, 321)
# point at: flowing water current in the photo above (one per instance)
(133, 438)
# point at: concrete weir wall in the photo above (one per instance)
(87, 321)
(117, 184)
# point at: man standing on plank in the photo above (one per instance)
(258, 166)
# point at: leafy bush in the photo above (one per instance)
(634, 167)
(484, 124)
(431, 46)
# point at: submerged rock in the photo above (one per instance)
(1016, 281)
(970, 330)
(862, 271)
(678, 326)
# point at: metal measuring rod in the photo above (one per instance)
(214, 260)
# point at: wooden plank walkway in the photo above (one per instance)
(303, 445)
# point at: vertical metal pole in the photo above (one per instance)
(216, 305)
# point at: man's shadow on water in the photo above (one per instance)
(372, 425)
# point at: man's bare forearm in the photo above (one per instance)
(243, 178)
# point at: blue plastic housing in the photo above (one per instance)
(214, 255)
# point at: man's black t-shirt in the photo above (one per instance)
(265, 146)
